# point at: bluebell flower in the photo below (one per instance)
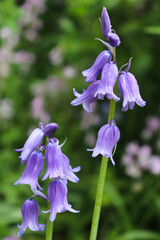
(128, 85)
(108, 79)
(108, 33)
(54, 160)
(58, 165)
(108, 136)
(57, 194)
(30, 211)
(30, 145)
(50, 129)
(92, 73)
(87, 97)
(32, 171)
(35, 138)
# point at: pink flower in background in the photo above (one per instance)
(30, 22)
(55, 56)
(152, 125)
(11, 238)
(132, 148)
(138, 159)
(69, 72)
(38, 111)
(6, 108)
(144, 155)
(133, 171)
(155, 164)
(127, 160)
(23, 56)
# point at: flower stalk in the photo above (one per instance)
(102, 175)
(49, 227)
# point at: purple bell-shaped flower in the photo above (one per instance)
(57, 194)
(58, 165)
(108, 79)
(87, 97)
(30, 145)
(30, 211)
(128, 85)
(50, 129)
(32, 171)
(54, 160)
(108, 33)
(35, 138)
(108, 136)
(92, 73)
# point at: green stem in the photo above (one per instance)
(98, 200)
(49, 228)
(102, 175)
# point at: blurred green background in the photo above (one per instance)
(44, 47)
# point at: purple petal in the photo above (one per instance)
(108, 80)
(50, 129)
(87, 97)
(53, 159)
(108, 136)
(130, 90)
(114, 39)
(30, 212)
(92, 73)
(105, 23)
(32, 171)
(32, 142)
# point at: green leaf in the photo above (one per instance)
(152, 30)
(139, 235)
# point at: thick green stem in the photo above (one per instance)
(49, 229)
(102, 174)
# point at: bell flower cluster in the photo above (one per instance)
(59, 171)
(100, 87)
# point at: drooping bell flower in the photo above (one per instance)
(35, 138)
(68, 171)
(57, 194)
(108, 33)
(50, 129)
(92, 73)
(128, 85)
(108, 136)
(32, 171)
(107, 82)
(30, 145)
(54, 160)
(87, 97)
(30, 211)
